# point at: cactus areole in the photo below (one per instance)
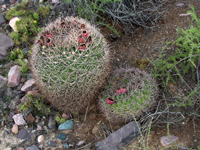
(70, 70)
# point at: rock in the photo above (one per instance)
(96, 129)
(8, 148)
(15, 129)
(23, 79)
(2, 20)
(23, 134)
(65, 116)
(28, 85)
(65, 145)
(51, 123)
(40, 138)
(12, 23)
(55, 1)
(62, 136)
(24, 99)
(33, 147)
(21, 148)
(165, 140)
(25, 51)
(19, 120)
(39, 127)
(5, 43)
(66, 125)
(14, 76)
(30, 118)
(51, 143)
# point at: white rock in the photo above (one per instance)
(19, 120)
(12, 23)
(8, 148)
(14, 76)
(28, 85)
(40, 138)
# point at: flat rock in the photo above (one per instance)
(30, 118)
(28, 84)
(167, 140)
(19, 120)
(14, 76)
(66, 125)
(62, 136)
(8, 148)
(33, 147)
(5, 43)
(2, 20)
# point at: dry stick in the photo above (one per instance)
(86, 145)
(86, 114)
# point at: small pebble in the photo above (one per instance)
(62, 136)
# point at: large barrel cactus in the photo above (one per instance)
(129, 93)
(70, 62)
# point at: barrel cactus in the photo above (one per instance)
(129, 93)
(70, 62)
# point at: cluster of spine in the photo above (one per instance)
(130, 93)
(70, 62)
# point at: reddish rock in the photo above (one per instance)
(21, 148)
(12, 2)
(28, 85)
(14, 76)
(24, 98)
(65, 116)
(15, 129)
(30, 118)
(23, 79)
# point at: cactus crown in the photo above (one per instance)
(133, 92)
(70, 61)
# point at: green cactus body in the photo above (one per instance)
(141, 92)
(67, 74)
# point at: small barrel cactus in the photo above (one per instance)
(129, 93)
(70, 62)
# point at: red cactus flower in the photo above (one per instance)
(118, 91)
(123, 90)
(82, 47)
(49, 35)
(83, 26)
(110, 101)
(84, 33)
(81, 40)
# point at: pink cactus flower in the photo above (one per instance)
(81, 40)
(84, 33)
(110, 101)
(82, 47)
(123, 90)
(118, 91)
